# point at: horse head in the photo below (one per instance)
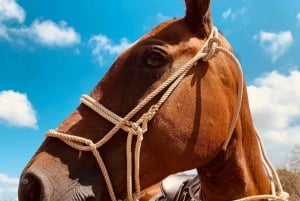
(182, 120)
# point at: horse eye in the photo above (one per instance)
(155, 57)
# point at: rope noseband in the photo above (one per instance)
(138, 128)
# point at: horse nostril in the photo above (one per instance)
(30, 188)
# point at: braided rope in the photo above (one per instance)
(129, 170)
(138, 128)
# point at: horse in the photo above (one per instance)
(173, 101)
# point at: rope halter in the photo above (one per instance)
(140, 127)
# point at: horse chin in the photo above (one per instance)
(80, 193)
(35, 185)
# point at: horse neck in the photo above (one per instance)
(237, 171)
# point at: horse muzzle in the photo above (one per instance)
(35, 185)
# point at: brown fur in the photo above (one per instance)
(187, 132)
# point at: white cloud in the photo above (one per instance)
(49, 33)
(16, 110)
(226, 13)
(52, 34)
(10, 10)
(275, 44)
(3, 32)
(4, 179)
(233, 15)
(8, 187)
(102, 46)
(274, 102)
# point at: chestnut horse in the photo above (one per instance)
(180, 91)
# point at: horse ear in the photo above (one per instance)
(198, 16)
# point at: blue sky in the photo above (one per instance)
(53, 51)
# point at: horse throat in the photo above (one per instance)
(238, 171)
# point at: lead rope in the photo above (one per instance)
(138, 128)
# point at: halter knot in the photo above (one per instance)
(146, 117)
(133, 128)
(211, 48)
